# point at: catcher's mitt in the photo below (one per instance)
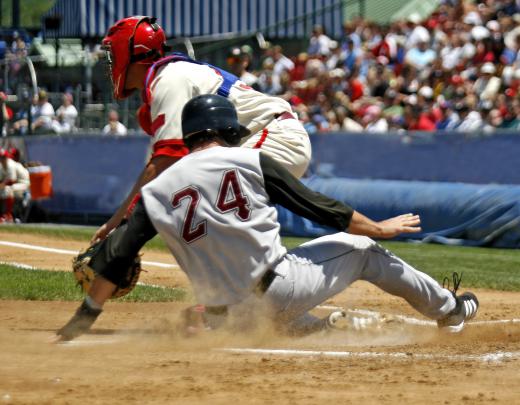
(85, 274)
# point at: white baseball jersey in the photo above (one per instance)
(213, 211)
(178, 82)
(175, 83)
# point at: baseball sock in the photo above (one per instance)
(92, 304)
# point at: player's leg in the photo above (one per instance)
(287, 142)
(7, 202)
(319, 269)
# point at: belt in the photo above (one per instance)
(265, 282)
(284, 116)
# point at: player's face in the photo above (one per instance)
(109, 63)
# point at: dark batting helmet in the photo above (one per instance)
(211, 115)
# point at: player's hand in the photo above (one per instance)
(102, 232)
(406, 223)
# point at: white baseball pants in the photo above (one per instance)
(287, 142)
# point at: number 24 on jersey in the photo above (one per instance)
(230, 198)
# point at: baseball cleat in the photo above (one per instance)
(80, 323)
(465, 309)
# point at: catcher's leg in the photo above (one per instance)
(110, 262)
(80, 323)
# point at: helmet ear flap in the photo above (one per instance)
(231, 136)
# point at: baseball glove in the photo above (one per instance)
(85, 274)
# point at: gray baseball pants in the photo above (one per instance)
(319, 269)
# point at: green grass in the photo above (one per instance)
(497, 269)
(42, 285)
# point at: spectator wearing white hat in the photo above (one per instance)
(418, 32)
(487, 85)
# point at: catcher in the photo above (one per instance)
(220, 196)
(136, 53)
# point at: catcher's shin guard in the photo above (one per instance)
(80, 323)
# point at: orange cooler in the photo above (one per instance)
(41, 181)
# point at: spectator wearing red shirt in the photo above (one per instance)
(355, 89)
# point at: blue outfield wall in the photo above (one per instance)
(445, 156)
(91, 173)
(424, 174)
(451, 213)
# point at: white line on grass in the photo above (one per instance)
(486, 357)
(73, 252)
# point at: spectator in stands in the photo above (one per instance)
(21, 122)
(449, 118)
(42, 113)
(347, 120)
(418, 119)
(374, 121)
(14, 183)
(352, 55)
(66, 115)
(511, 117)
(465, 53)
(319, 43)
(114, 127)
(487, 85)
(7, 114)
(282, 65)
(420, 56)
(238, 62)
(470, 121)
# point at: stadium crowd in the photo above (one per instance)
(458, 70)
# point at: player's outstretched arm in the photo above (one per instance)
(284, 189)
(389, 228)
(156, 165)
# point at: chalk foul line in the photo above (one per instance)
(74, 252)
(485, 357)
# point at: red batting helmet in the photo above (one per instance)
(136, 39)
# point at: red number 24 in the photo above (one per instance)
(230, 198)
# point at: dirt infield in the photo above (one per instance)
(135, 355)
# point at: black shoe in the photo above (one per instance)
(465, 309)
(80, 323)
